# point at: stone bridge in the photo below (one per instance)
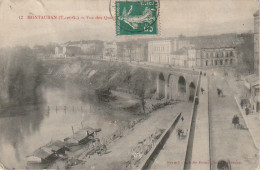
(177, 84)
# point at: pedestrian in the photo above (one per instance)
(247, 110)
(241, 103)
(202, 90)
(180, 132)
(182, 119)
(235, 120)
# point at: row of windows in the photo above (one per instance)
(218, 54)
(218, 62)
(161, 49)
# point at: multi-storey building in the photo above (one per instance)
(93, 48)
(192, 58)
(60, 52)
(174, 52)
(256, 42)
(183, 54)
(212, 57)
(159, 51)
(132, 51)
(138, 52)
(110, 50)
(67, 51)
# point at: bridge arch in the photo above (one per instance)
(182, 84)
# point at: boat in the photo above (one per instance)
(46, 155)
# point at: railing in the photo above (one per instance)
(210, 153)
(159, 145)
(190, 139)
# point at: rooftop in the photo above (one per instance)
(81, 134)
(182, 51)
(45, 151)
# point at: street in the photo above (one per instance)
(227, 142)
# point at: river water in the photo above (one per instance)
(27, 128)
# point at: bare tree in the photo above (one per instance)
(139, 81)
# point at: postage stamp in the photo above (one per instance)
(137, 17)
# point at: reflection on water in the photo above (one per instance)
(30, 127)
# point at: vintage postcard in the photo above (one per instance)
(129, 84)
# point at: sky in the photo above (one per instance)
(187, 17)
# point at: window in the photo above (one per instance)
(226, 61)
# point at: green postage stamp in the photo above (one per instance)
(137, 17)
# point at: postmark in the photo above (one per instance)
(136, 17)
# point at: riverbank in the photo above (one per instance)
(69, 93)
(130, 142)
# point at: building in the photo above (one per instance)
(176, 52)
(89, 48)
(179, 43)
(60, 52)
(252, 84)
(124, 52)
(110, 50)
(179, 58)
(67, 51)
(219, 56)
(159, 51)
(256, 42)
(192, 58)
(132, 51)
(138, 52)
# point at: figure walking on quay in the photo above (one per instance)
(235, 121)
(220, 93)
(202, 90)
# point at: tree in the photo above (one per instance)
(139, 81)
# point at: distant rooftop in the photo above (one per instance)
(230, 40)
(82, 42)
(182, 51)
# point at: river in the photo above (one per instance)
(27, 128)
